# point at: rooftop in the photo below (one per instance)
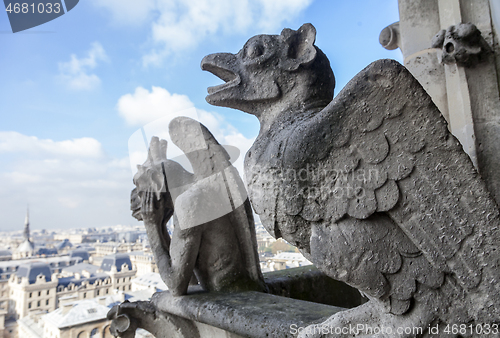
(290, 256)
(48, 260)
(5, 253)
(151, 279)
(65, 281)
(80, 267)
(33, 327)
(81, 312)
(32, 270)
(116, 260)
(84, 254)
(26, 246)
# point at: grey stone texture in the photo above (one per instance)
(127, 317)
(240, 314)
(248, 314)
(219, 250)
(462, 44)
(370, 186)
(468, 97)
(390, 37)
(309, 284)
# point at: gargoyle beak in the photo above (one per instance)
(222, 65)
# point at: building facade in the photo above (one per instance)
(35, 289)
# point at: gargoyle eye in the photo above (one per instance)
(255, 50)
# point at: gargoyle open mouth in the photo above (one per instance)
(230, 78)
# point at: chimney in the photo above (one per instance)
(66, 307)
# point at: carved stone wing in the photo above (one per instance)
(383, 146)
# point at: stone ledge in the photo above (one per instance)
(309, 284)
(249, 314)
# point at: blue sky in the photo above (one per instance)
(74, 90)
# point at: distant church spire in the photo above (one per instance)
(27, 225)
(26, 248)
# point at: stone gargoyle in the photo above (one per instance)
(462, 44)
(370, 186)
(214, 233)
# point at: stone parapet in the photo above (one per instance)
(297, 298)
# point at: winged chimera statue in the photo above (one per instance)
(370, 186)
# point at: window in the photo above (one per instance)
(84, 295)
(38, 304)
(94, 333)
(39, 293)
(98, 292)
(107, 291)
(29, 305)
(31, 294)
(130, 287)
(47, 302)
(48, 292)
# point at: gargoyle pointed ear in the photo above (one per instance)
(301, 50)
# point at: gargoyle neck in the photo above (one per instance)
(283, 113)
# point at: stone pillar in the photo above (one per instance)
(467, 96)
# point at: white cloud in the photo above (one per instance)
(130, 12)
(13, 142)
(153, 110)
(143, 106)
(74, 183)
(69, 183)
(178, 25)
(76, 72)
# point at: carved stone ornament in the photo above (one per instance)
(389, 37)
(127, 317)
(213, 241)
(369, 185)
(462, 44)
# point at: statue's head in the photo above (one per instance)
(270, 69)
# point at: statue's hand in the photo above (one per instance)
(154, 210)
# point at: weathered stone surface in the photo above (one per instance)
(389, 37)
(128, 317)
(214, 233)
(468, 97)
(309, 284)
(168, 316)
(461, 44)
(249, 314)
(371, 186)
